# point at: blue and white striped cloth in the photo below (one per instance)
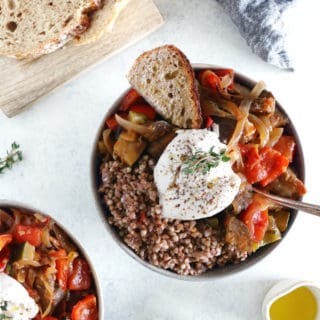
(260, 23)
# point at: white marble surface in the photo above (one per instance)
(57, 133)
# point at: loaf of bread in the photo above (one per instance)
(31, 28)
(165, 78)
(102, 21)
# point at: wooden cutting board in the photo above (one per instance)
(22, 82)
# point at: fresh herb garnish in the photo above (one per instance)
(13, 156)
(4, 306)
(201, 161)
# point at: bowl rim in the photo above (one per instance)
(19, 205)
(212, 274)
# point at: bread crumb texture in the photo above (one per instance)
(35, 27)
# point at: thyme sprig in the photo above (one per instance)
(201, 161)
(13, 156)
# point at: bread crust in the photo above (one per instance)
(102, 22)
(197, 119)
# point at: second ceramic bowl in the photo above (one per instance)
(28, 210)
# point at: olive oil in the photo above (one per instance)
(299, 304)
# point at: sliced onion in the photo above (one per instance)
(261, 128)
(132, 126)
(257, 90)
(267, 122)
(21, 275)
(45, 237)
(275, 135)
(211, 108)
(235, 157)
(244, 91)
(40, 217)
(226, 81)
(59, 295)
(17, 216)
(231, 108)
(237, 133)
(31, 276)
(20, 264)
(45, 288)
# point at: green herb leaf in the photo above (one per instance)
(13, 156)
(204, 161)
(4, 305)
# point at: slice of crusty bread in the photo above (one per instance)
(31, 28)
(102, 21)
(165, 78)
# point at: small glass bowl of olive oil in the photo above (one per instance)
(292, 300)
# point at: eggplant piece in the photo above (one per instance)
(130, 136)
(156, 148)
(45, 288)
(287, 185)
(129, 151)
(278, 120)
(213, 222)
(281, 218)
(107, 141)
(243, 198)
(272, 234)
(6, 221)
(63, 239)
(157, 129)
(238, 234)
(264, 105)
(150, 131)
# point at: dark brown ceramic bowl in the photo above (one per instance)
(217, 272)
(4, 204)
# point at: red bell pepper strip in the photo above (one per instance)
(85, 309)
(80, 278)
(208, 122)
(57, 254)
(254, 171)
(274, 164)
(29, 234)
(148, 111)
(4, 258)
(264, 166)
(112, 123)
(209, 78)
(255, 217)
(224, 72)
(131, 97)
(286, 146)
(4, 240)
(62, 266)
